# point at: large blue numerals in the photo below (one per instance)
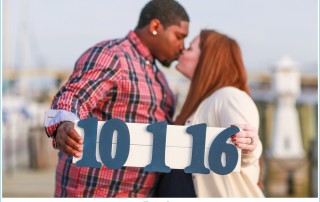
(198, 132)
(158, 164)
(123, 143)
(88, 159)
(218, 147)
(105, 143)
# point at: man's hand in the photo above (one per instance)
(68, 140)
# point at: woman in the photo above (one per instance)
(219, 96)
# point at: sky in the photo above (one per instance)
(53, 34)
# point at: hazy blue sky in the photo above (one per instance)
(58, 31)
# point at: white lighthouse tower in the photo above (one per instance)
(286, 137)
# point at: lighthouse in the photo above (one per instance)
(286, 137)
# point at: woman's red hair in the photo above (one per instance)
(220, 64)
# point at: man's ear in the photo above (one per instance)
(154, 27)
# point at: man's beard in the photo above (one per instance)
(166, 63)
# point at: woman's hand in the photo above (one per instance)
(247, 139)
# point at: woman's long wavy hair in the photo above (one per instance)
(220, 64)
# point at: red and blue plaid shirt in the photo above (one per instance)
(113, 79)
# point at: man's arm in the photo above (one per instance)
(96, 73)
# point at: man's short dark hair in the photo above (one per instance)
(168, 12)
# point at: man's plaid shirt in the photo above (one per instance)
(113, 79)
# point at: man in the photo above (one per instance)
(117, 79)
